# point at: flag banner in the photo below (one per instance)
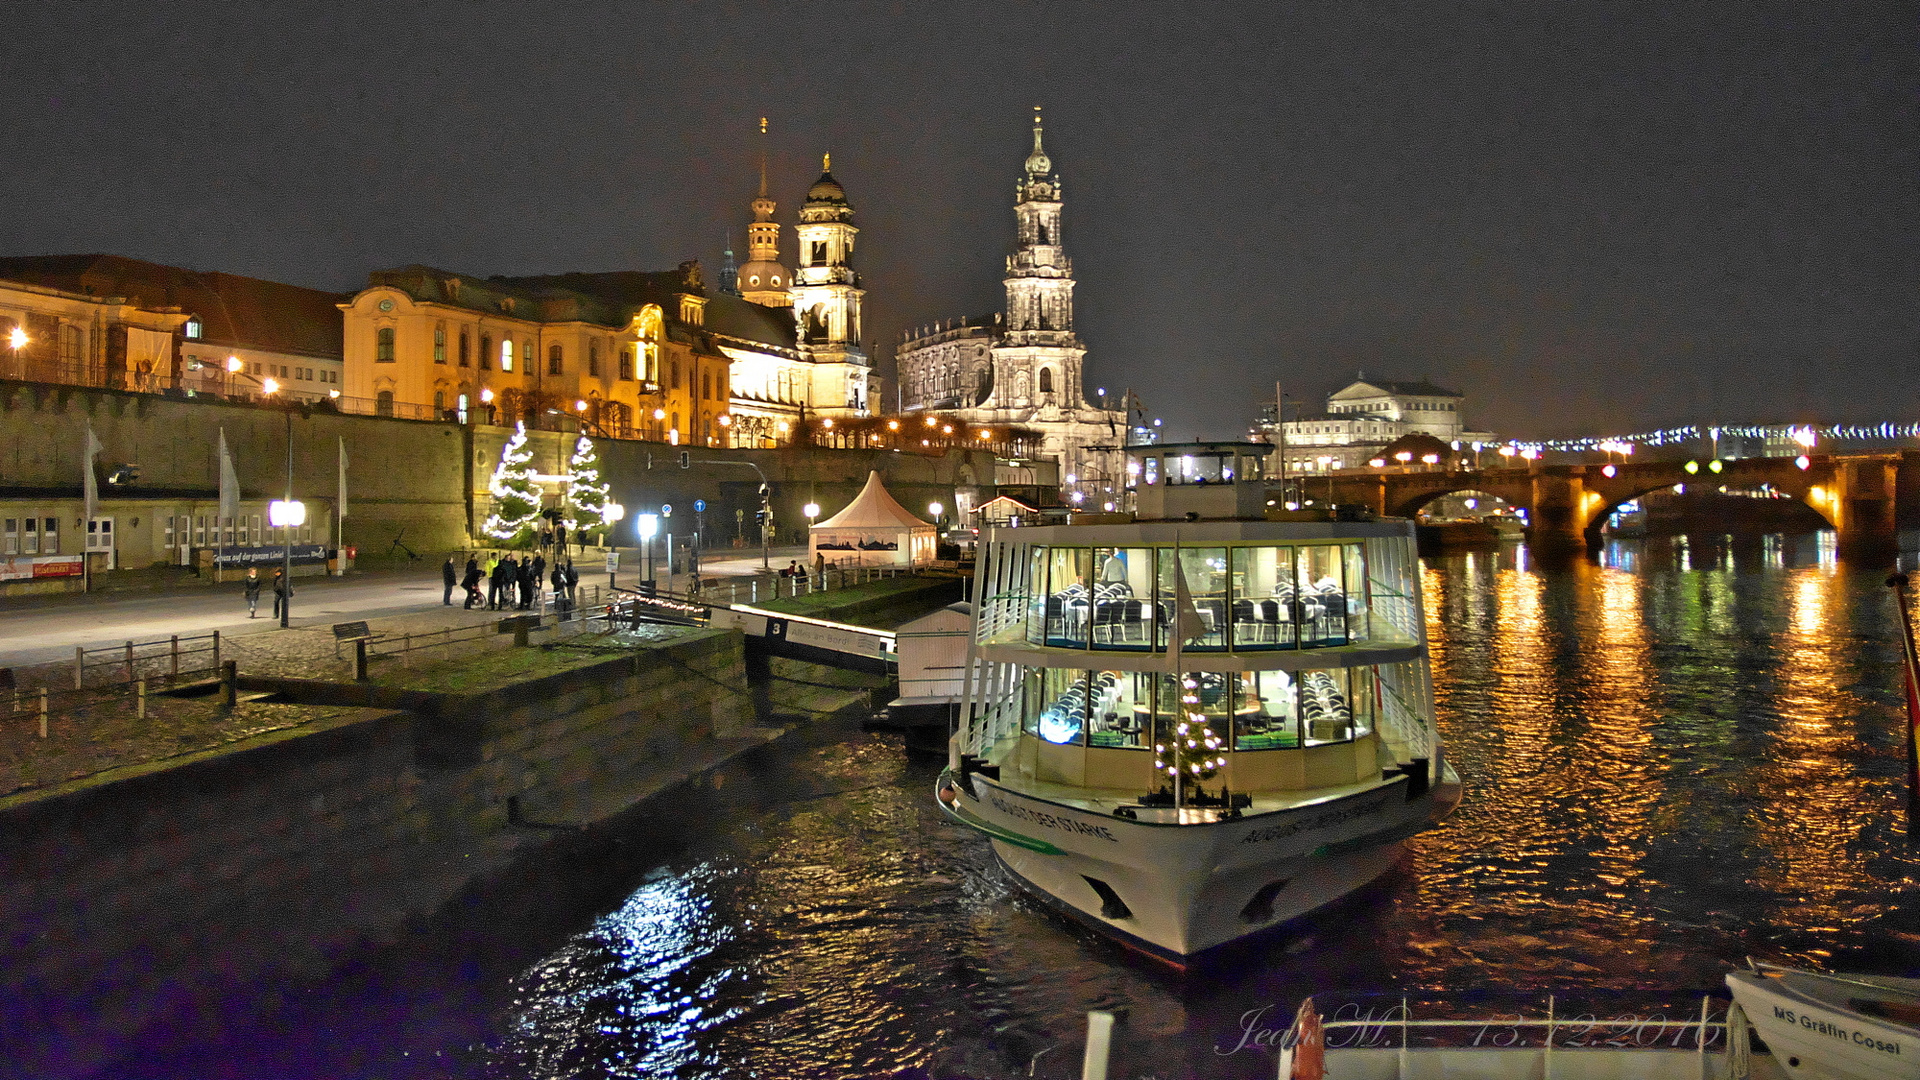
(229, 484)
(274, 555)
(88, 485)
(340, 510)
(1187, 623)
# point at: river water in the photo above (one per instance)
(1684, 755)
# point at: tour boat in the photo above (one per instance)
(1833, 1027)
(1196, 722)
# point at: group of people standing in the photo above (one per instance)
(510, 582)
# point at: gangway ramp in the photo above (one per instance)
(803, 637)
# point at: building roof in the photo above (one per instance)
(743, 320)
(874, 508)
(1421, 388)
(233, 310)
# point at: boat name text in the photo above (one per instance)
(1319, 821)
(1824, 1027)
(1050, 821)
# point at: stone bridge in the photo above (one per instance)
(1867, 498)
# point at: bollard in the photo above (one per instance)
(43, 712)
(140, 691)
(520, 631)
(1099, 1044)
(216, 648)
(79, 665)
(174, 670)
(230, 683)
(129, 661)
(359, 659)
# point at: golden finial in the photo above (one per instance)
(826, 162)
(763, 125)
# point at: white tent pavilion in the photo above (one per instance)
(874, 530)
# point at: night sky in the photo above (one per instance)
(1586, 218)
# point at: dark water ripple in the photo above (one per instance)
(1680, 757)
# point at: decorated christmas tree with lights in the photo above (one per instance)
(1191, 752)
(516, 496)
(586, 491)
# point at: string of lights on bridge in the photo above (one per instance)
(1803, 434)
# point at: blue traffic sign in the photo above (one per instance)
(699, 506)
(666, 509)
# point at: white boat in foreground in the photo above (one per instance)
(1833, 1027)
(1195, 724)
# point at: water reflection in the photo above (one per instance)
(1685, 754)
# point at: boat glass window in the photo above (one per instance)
(1037, 595)
(1205, 571)
(1065, 609)
(1123, 599)
(1320, 594)
(1119, 708)
(1199, 468)
(1336, 705)
(1266, 711)
(1057, 704)
(1263, 599)
(1356, 577)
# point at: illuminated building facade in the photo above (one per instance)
(129, 324)
(626, 353)
(1362, 418)
(1024, 366)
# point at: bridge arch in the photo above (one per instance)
(1411, 503)
(1611, 497)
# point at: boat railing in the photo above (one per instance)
(1402, 724)
(1719, 1046)
(1310, 1037)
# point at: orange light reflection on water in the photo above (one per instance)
(1815, 803)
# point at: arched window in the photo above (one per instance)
(1043, 232)
(626, 363)
(506, 354)
(465, 343)
(554, 355)
(593, 359)
(706, 385)
(675, 367)
(440, 343)
(383, 403)
(1046, 380)
(439, 402)
(383, 345)
(486, 352)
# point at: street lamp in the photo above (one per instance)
(936, 510)
(649, 525)
(233, 368)
(288, 515)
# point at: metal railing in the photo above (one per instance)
(168, 658)
(761, 587)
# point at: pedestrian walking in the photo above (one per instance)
(253, 591)
(472, 583)
(527, 582)
(573, 582)
(561, 602)
(449, 579)
(281, 591)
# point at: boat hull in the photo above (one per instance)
(1817, 1040)
(1180, 892)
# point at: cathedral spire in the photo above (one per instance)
(1038, 164)
(763, 280)
(763, 157)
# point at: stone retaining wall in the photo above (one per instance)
(176, 892)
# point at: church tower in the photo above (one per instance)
(763, 280)
(1038, 362)
(826, 298)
